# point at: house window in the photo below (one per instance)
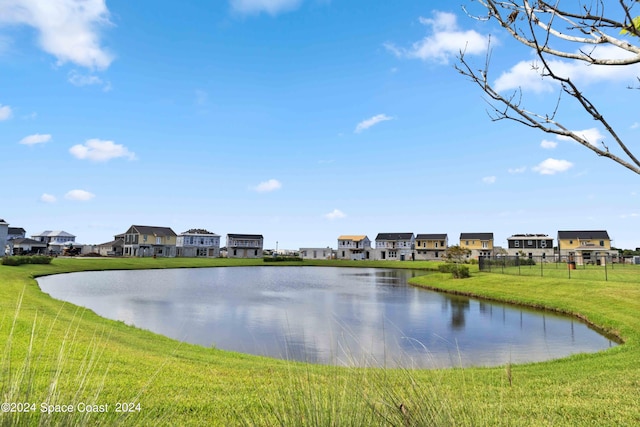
(601, 242)
(543, 244)
(466, 243)
(485, 245)
(435, 244)
(516, 244)
(571, 242)
(144, 237)
(255, 253)
(530, 242)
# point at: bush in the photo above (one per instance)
(458, 271)
(282, 259)
(19, 260)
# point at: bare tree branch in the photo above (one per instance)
(553, 32)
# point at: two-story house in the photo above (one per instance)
(317, 253)
(198, 243)
(56, 241)
(431, 246)
(245, 245)
(146, 241)
(585, 247)
(480, 244)
(355, 247)
(531, 245)
(395, 246)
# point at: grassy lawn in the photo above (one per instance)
(613, 272)
(59, 354)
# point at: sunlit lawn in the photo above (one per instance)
(59, 354)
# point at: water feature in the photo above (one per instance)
(330, 315)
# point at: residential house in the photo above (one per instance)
(317, 253)
(585, 247)
(431, 246)
(395, 246)
(146, 241)
(245, 245)
(112, 248)
(480, 244)
(354, 247)
(16, 233)
(531, 245)
(56, 241)
(4, 231)
(198, 243)
(25, 246)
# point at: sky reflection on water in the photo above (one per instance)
(329, 315)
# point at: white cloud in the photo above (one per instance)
(268, 186)
(635, 125)
(446, 40)
(631, 215)
(100, 151)
(272, 7)
(48, 198)
(592, 135)
(35, 139)
(489, 179)
(528, 74)
(366, 124)
(67, 29)
(78, 79)
(80, 195)
(552, 166)
(518, 170)
(335, 214)
(5, 112)
(548, 145)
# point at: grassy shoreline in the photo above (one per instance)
(181, 384)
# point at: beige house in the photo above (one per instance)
(431, 247)
(245, 245)
(585, 247)
(146, 241)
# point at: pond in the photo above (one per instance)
(327, 315)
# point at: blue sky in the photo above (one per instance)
(297, 119)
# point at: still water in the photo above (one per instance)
(341, 316)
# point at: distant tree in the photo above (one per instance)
(591, 32)
(456, 254)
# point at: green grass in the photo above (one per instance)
(614, 272)
(59, 353)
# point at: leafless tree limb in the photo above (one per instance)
(553, 32)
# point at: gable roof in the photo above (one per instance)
(431, 237)
(151, 230)
(394, 236)
(584, 234)
(16, 230)
(476, 236)
(354, 237)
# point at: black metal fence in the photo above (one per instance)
(603, 267)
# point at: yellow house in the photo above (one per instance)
(144, 240)
(584, 247)
(480, 244)
(431, 246)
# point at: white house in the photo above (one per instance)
(56, 240)
(198, 243)
(4, 231)
(354, 247)
(395, 246)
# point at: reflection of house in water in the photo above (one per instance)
(458, 306)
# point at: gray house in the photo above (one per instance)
(4, 231)
(198, 243)
(395, 246)
(244, 245)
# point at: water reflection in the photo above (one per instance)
(325, 315)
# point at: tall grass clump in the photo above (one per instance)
(50, 381)
(31, 259)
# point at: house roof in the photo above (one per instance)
(592, 234)
(27, 241)
(431, 237)
(394, 236)
(355, 237)
(528, 236)
(476, 236)
(2, 221)
(16, 230)
(152, 230)
(117, 242)
(245, 236)
(57, 233)
(199, 232)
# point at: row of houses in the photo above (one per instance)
(585, 246)
(137, 241)
(147, 241)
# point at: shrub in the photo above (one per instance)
(282, 259)
(458, 271)
(19, 260)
